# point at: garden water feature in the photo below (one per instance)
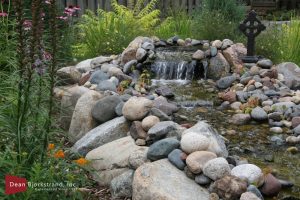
(175, 63)
(252, 142)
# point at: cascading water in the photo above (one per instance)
(175, 64)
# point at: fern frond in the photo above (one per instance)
(151, 19)
(138, 6)
(149, 8)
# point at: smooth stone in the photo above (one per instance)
(196, 160)
(250, 172)
(162, 104)
(149, 122)
(216, 142)
(192, 142)
(265, 63)
(291, 74)
(235, 105)
(68, 75)
(285, 184)
(240, 119)
(162, 148)
(218, 67)
(175, 157)
(276, 116)
(255, 190)
(216, 168)
(282, 106)
(164, 91)
(249, 196)
(105, 67)
(295, 122)
(111, 160)
(225, 82)
(277, 130)
(161, 129)
(104, 109)
(148, 46)
(140, 142)
(96, 62)
(271, 186)
(138, 157)
(106, 85)
(229, 187)
(137, 131)
(118, 109)
(293, 139)
(148, 183)
(82, 120)
(198, 55)
(121, 186)
(141, 54)
(136, 108)
(259, 114)
(84, 66)
(226, 43)
(213, 51)
(160, 114)
(202, 179)
(105, 133)
(98, 76)
(127, 68)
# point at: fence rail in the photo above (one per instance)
(163, 5)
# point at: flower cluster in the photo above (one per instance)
(60, 154)
(69, 12)
(3, 14)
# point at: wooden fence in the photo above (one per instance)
(163, 5)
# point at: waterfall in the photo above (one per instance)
(170, 70)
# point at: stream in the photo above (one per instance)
(199, 101)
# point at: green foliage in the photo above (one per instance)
(290, 43)
(281, 43)
(218, 19)
(177, 23)
(111, 32)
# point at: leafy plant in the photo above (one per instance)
(218, 19)
(177, 23)
(111, 32)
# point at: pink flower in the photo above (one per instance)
(47, 56)
(47, 2)
(27, 24)
(77, 8)
(62, 18)
(3, 14)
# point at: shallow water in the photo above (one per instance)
(249, 141)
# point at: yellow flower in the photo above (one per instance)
(59, 154)
(81, 161)
(51, 146)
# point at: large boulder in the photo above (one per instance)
(68, 75)
(69, 99)
(218, 67)
(107, 132)
(82, 119)
(162, 181)
(216, 145)
(291, 73)
(104, 109)
(111, 159)
(136, 108)
(233, 55)
(121, 186)
(84, 66)
(130, 52)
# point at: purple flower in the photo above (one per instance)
(27, 24)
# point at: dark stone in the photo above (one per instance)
(128, 66)
(225, 82)
(162, 148)
(137, 131)
(254, 190)
(276, 116)
(202, 179)
(163, 105)
(98, 76)
(242, 96)
(175, 157)
(165, 91)
(271, 186)
(119, 108)
(104, 109)
(160, 114)
(296, 130)
(161, 129)
(285, 184)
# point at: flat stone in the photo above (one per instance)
(161, 129)
(148, 183)
(105, 133)
(175, 157)
(162, 148)
(265, 63)
(225, 82)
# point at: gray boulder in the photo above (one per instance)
(121, 186)
(291, 73)
(162, 180)
(96, 62)
(128, 66)
(107, 132)
(68, 75)
(265, 63)
(259, 114)
(218, 67)
(225, 82)
(106, 85)
(98, 76)
(161, 129)
(162, 104)
(104, 109)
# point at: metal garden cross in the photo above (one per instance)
(251, 27)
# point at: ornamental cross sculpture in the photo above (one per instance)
(251, 27)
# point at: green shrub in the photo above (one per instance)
(219, 19)
(290, 42)
(111, 32)
(178, 23)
